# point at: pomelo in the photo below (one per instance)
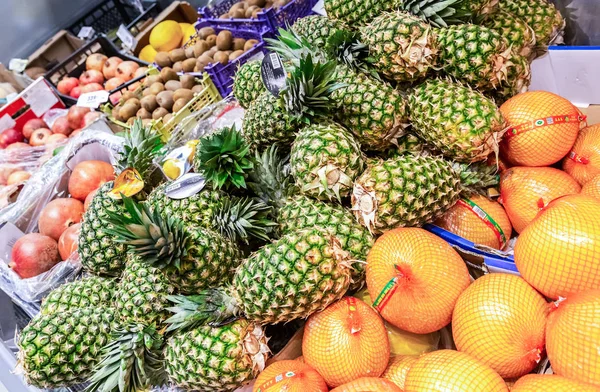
(398, 368)
(289, 376)
(550, 383)
(368, 384)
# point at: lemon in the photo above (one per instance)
(171, 169)
(147, 54)
(166, 36)
(188, 32)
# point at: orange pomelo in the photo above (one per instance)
(478, 220)
(592, 188)
(500, 320)
(559, 252)
(368, 384)
(448, 370)
(289, 376)
(346, 341)
(583, 162)
(524, 191)
(573, 337)
(550, 383)
(414, 279)
(398, 369)
(542, 128)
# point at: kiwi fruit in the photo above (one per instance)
(224, 40)
(205, 32)
(177, 55)
(200, 47)
(183, 93)
(197, 89)
(188, 65)
(178, 66)
(222, 57)
(206, 58)
(211, 40)
(146, 121)
(131, 121)
(241, 5)
(189, 52)
(127, 111)
(167, 117)
(115, 113)
(187, 81)
(168, 74)
(250, 44)
(163, 59)
(224, 16)
(235, 55)
(259, 3)
(238, 44)
(159, 113)
(127, 95)
(250, 10)
(173, 85)
(146, 92)
(200, 65)
(150, 80)
(134, 102)
(178, 105)
(143, 113)
(238, 14)
(157, 88)
(165, 99)
(149, 103)
(211, 52)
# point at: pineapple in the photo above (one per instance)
(412, 190)
(514, 29)
(92, 291)
(402, 46)
(357, 12)
(61, 349)
(216, 359)
(517, 81)
(325, 160)
(248, 85)
(407, 144)
(459, 122)
(546, 21)
(318, 29)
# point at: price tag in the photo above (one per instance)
(9, 234)
(185, 186)
(273, 74)
(17, 65)
(86, 32)
(6, 122)
(319, 8)
(92, 100)
(126, 37)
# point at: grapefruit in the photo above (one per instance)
(398, 369)
(542, 128)
(478, 220)
(414, 279)
(501, 320)
(592, 187)
(346, 341)
(583, 162)
(290, 376)
(448, 370)
(559, 252)
(573, 337)
(551, 383)
(368, 384)
(524, 191)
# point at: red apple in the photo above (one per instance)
(68, 241)
(89, 198)
(67, 85)
(62, 125)
(95, 62)
(110, 67)
(88, 88)
(56, 138)
(58, 215)
(34, 254)
(10, 136)
(17, 146)
(127, 69)
(39, 137)
(32, 125)
(76, 92)
(91, 76)
(88, 176)
(90, 118)
(75, 116)
(18, 177)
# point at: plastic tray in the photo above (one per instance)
(75, 64)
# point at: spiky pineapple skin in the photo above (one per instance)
(208, 359)
(325, 160)
(92, 291)
(291, 278)
(514, 29)
(61, 349)
(461, 123)
(317, 29)
(402, 46)
(406, 191)
(543, 17)
(357, 11)
(407, 144)
(248, 85)
(266, 123)
(100, 253)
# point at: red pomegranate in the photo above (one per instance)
(76, 92)
(126, 70)
(18, 177)
(110, 67)
(34, 254)
(89, 198)
(75, 116)
(32, 125)
(62, 125)
(89, 88)
(67, 85)
(92, 76)
(90, 118)
(58, 215)
(39, 137)
(95, 62)
(56, 138)
(88, 176)
(67, 243)
(10, 136)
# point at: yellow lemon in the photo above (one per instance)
(166, 36)
(188, 32)
(147, 54)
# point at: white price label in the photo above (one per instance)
(9, 234)
(86, 32)
(93, 99)
(319, 8)
(126, 37)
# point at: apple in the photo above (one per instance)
(68, 241)
(18, 177)
(58, 215)
(39, 137)
(32, 125)
(110, 67)
(67, 85)
(88, 88)
(10, 136)
(92, 76)
(75, 116)
(56, 138)
(34, 254)
(95, 62)
(90, 118)
(76, 92)
(88, 176)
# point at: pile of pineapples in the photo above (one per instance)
(386, 118)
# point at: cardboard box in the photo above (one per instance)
(55, 50)
(179, 11)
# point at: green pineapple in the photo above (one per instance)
(325, 160)
(543, 17)
(248, 85)
(459, 122)
(92, 291)
(412, 190)
(318, 29)
(216, 359)
(407, 144)
(514, 29)
(517, 81)
(61, 349)
(357, 12)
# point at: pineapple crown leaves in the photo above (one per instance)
(348, 50)
(439, 13)
(242, 219)
(477, 177)
(213, 307)
(292, 47)
(223, 158)
(157, 240)
(132, 360)
(141, 146)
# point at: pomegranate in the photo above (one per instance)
(61, 125)
(58, 215)
(10, 136)
(140, 72)
(110, 67)
(127, 69)
(67, 85)
(75, 116)
(67, 243)
(95, 62)
(34, 254)
(56, 138)
(5, 172)
(75, 132)
(39, 137)
(113, 83)
(17, 146)
(89, 198)
(32, 125)
(88, 176)
(76, 92)
(134, 86)
(92, 76)
(88, 88)
(90, 118)
(18, 177)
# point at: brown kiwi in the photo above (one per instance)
(206, 58)
(235, 55)
(173, 85)
(188, 65)
(250, 10)
(211, 52)
(131, 120)
(183, 93)
(238, 14)
(163, 59)
(127, 111)
(157, 88)
(146, 121)
(189, 52)
(143, 113)
(238, 44)
(200, 47)
(146, 92)
(222, 57)
(200, 65)
(241, 5)
(187, 81)
(177, 55)
(197, 89)
(259, 3)
(211, 40)
(168, 74)
(224, 40)
(205, 32)
(149, 103)
(159, 113)
(115, 113)
(224, 16)
(167, 117)
(150, 80)
(127, 95)
(134, 102)
(249, 44)
(178, 66)
(179, 104)
(165, 99)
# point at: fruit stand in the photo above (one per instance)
(303, 195)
